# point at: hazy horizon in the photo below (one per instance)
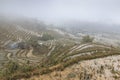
(105, 11)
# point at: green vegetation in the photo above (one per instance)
(87, 39)
(71, 75)
(13, 71)
(60, 58)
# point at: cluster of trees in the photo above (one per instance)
(23, 45)
(87, 39)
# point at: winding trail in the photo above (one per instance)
(49, 53)
(9, 56)
(30, 53)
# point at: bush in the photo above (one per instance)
(14, 70)
(87, 39)
(26, 68)
(71, 75)
(11, 67)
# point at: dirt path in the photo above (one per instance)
(49, 53)
(9, 56)
(30, 53)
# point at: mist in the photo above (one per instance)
(59, 39)
(104, 11)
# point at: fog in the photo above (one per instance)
(105, 11)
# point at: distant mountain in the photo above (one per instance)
(91, 27)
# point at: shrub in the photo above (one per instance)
(71, 75)
(26, 68)
(11, 66)
(14, 70)
(87, 39)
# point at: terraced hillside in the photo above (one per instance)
(59, 57)
(29, 48)
(97, 69)
(22, 40)
(62, 57)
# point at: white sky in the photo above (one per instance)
(107, 11)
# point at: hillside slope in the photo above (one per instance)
(29, 48)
